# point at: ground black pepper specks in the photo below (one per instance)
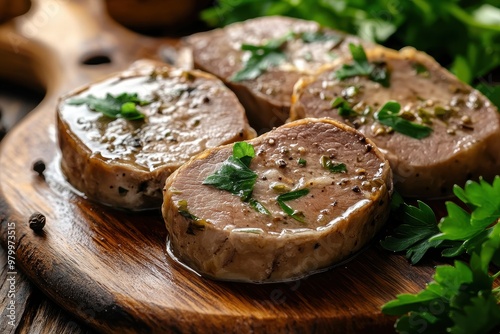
(281, 163)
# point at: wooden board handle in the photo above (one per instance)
(10, 9)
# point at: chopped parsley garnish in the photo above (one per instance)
(362, 67)
(389, 115)
(298, 216)
(334, 167)
(195, 223)
(123, 105)
(262, 57)
(270, 54)
(344, 108)
(302, 162)
(236, 177)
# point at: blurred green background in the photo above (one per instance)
(463, 35)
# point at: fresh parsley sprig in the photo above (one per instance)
(123, 105)
(458, 232)
(362, 67)
(236, 176)
(389, 115)
(412, 235)
(461, 299)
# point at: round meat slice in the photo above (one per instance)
(440, 131)
(122, 161)
(313, 193)
(289, 49)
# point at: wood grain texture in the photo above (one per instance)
(9, 8)
(34, 312)
(109, 268)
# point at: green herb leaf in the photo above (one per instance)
(302, 162)
(123, 105)
(458, 232)
(258, 206)
(389, 116)
(236, 177)
(318, 36)
(270, 54)
(290, 196)
(463, 293)
(344, 108)
(293, 195)
(419, 224)
(195, 223)
(244, 151)
(361, 67)
(262, 57)
(492, 92)
(334, 167)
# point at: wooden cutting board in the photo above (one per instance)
(109, 267)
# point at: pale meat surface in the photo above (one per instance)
(465, 138)
(125, 163)
(267, 97)
(341, 212)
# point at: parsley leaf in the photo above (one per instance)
(262, 57)
(270, 54)
(195, 223)
(461, 299)
(470, 230)
(458, 232)
(362, 67)
(389, 116)
(236, 177)
(123, 105)
(344, 108)
(419, 224)
(243, 151)
(290, 196)
(334, 167)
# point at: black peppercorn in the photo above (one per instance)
(39, 167)
(281, 163)
(37, 221)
